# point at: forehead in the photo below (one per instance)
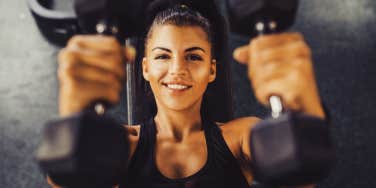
(172, 36)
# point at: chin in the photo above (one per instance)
(179, 105)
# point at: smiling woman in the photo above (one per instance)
(181, 142)
(211, 49)
(179, 65)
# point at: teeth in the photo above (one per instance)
(177, 86)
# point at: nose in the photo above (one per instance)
(178, 67)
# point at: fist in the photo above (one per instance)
(90, 68)
(281, 65)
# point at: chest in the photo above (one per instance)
(181, 159)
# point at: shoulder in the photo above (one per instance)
(235, 131)
(133, 135)
(239, 125)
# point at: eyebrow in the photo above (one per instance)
(194, 48)
(187, 50)
(161, 48)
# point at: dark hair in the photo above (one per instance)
(217, 99)
(181, 15)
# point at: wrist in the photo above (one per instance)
(312, 105)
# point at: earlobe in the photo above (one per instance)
(213, 70)
(145, 72)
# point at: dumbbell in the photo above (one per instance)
(290, 148)
(84, 150)
(90, 149)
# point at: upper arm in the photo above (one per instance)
(238, 132)
(245, 136)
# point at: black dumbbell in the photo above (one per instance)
(84, 150)
(90, 148)
(289, 148)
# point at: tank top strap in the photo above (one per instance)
(146, 142)
(216, 142)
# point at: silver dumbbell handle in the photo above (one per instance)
(276, 106)
(274, 101)
(130, 86)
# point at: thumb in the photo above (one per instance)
(130, 53)
(241, 54)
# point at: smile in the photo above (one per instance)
(177, 86)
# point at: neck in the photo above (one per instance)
(178, 124)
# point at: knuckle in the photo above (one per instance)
(66, 57)
(122, 73)
(303, 47)
(72, 82)
(75, 40)
(297, 35)
(113, 96)
(67, 86)
(112, 42)
(296, 75)
(260, 95)
(267, 54)
(116, 60)
(112, 79)
(60, 74)
(256, 42)
(109, 39)
(65, 74)
(62, 54)
(291, 100)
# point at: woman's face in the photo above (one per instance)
(178, 65)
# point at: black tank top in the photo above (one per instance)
(221, 169)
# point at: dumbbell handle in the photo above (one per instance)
(266, 27)
(107, 28)
(130, 87)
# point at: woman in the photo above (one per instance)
(181, 145)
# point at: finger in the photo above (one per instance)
(241, 54)
(284, 53)
(273, 69)
(274, 40)
(265, 74)
(95, 74)
(106, 44)
(130, 54)
(290, 98)
(67, 61)
(288, 84)
(88, 91)
(112, 63)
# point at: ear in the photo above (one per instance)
(213, 70)
(145, 71)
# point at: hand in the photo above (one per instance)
(90, 68)
(281, 65)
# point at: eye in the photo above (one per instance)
(194, 57)
(162, 56)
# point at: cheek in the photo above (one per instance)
(200, 73)
(157, 71)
